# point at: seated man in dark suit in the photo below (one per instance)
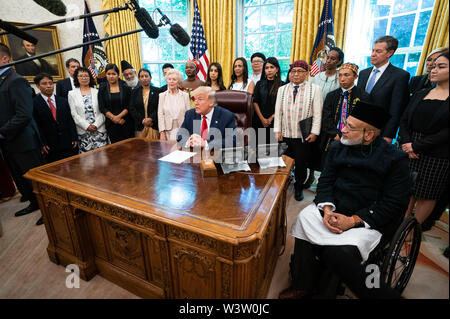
(56, 126)
(362, 194)
(19, 134)
(386, 84)
(35, 66)
(64, 86)
(339, 104)
(207, 125)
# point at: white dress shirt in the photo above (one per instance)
(381, 69)
(52, 98)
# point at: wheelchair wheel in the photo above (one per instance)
(401, 256)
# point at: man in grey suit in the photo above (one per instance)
(19, 135)
(386, 84)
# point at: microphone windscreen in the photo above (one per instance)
(146, 22)
(57, 7)
(179, 34)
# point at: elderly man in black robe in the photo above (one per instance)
(362, 194)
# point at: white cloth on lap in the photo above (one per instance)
(309, 226)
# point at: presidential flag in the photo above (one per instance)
(94, 56)
(324, 39)
(199, 49)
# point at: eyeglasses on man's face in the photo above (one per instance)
(352, 128)
(298, 71)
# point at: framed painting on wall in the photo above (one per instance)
(48, 40)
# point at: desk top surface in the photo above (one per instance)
(130, 174)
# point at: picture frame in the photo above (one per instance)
(48, 40)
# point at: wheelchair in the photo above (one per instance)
(396, 258)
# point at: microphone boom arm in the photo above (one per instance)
(79, 17)
(43, 55)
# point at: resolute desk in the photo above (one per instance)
(161, 230)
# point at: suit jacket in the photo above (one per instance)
(418, 83)
(17, 125)
(390, 92)
(164, 120)
(220, 120)
(332, 110)
(57, 134)
(63, 87)
(371, 181)
(78, 112)
(436, 143)
(137, 110)
(31, 68)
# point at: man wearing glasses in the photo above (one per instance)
(362, 194)
(257, 60)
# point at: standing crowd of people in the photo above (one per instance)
(342, 116)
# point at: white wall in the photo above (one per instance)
(70, 33)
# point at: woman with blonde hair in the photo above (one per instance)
(173, 104)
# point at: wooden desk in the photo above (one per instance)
(160, 230)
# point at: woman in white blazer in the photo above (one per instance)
(90, 122)
(298, 101)
(172, 106)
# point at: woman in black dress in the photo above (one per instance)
(144, 106)
(424, 132)
(113, 99)
(264, 99)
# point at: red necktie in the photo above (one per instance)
(52, 108)
(205, 134)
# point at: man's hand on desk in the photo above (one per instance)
(196, 140)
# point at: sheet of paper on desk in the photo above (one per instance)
(229, 168)
(177, 157)
(271, 162)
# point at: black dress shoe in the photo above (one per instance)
(40, 221)
(23, 199)
(27, 210)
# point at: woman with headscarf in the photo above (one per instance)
(192, 82)
(298, 115)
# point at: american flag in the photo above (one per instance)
(199, 49)
(324, 39)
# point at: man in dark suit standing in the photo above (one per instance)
(205, 125)
(35, 66)
(339, 104)
(19, 135)
(64, 86)
(386, 84)
(56, 126)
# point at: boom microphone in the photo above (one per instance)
(176, 30)
(145, 21)
(11, 28)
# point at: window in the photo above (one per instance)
(266, 27)
(164, 49)
(406, 20)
